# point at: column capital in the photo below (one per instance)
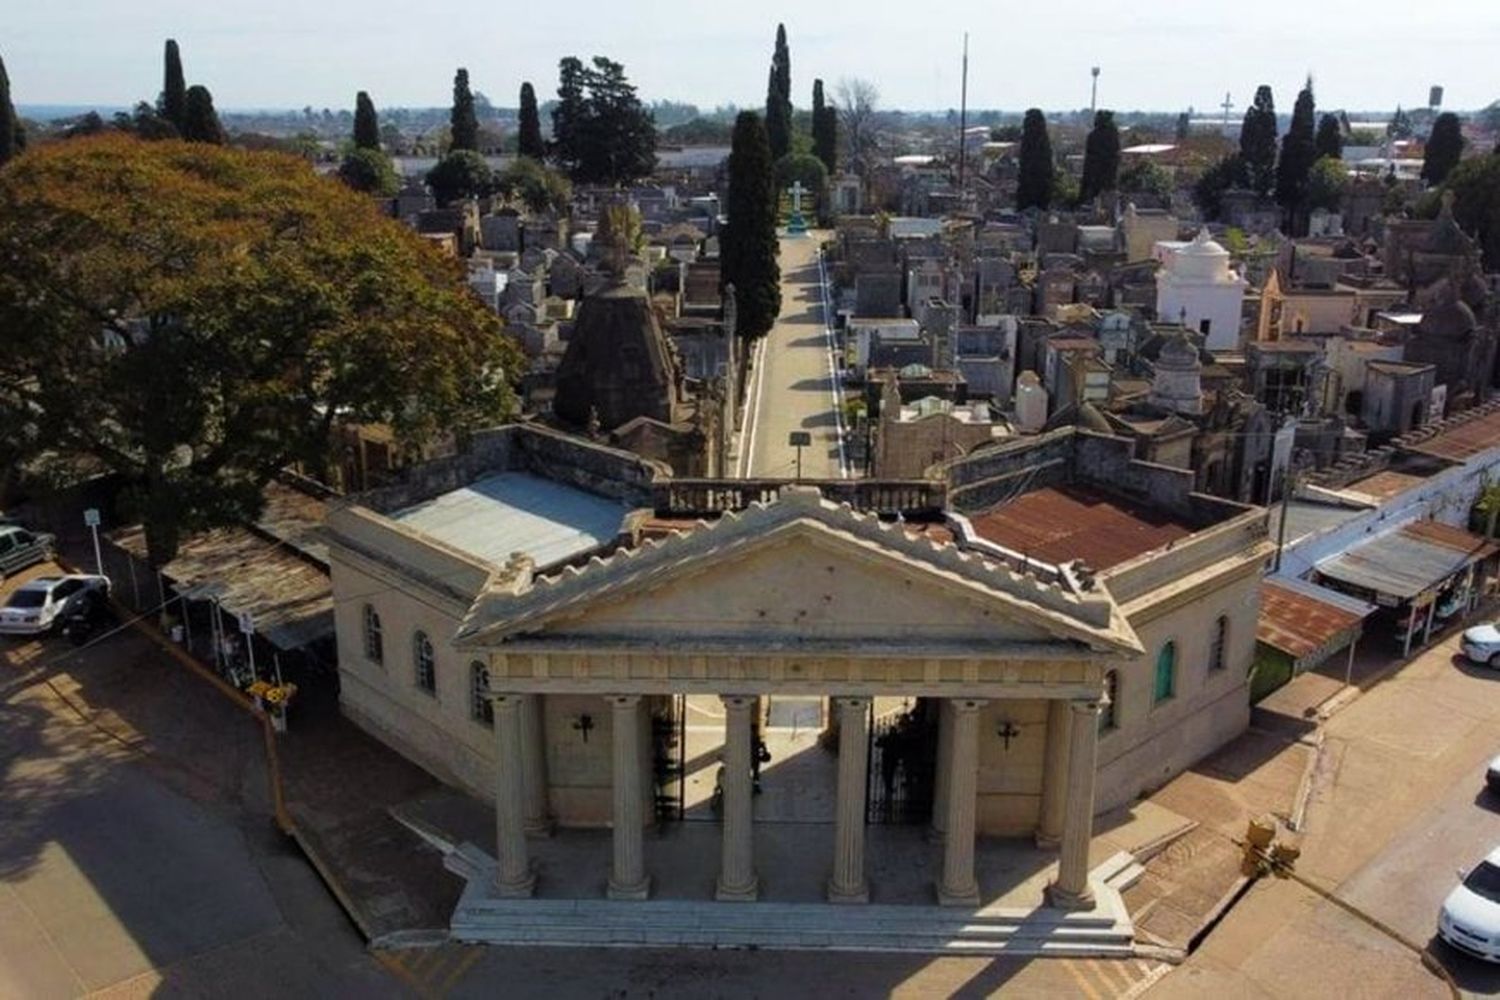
(623, 700)
(968, 704)
(853, 701)
(1091, 706)
(735, 701)
(505, 701)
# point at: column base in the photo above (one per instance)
(640, 890)
(539, 829)
(935, 836)
(1047, 841)
(522, 889)
(965, 897)
(1062, 899)
(747, 893)
(840, 894)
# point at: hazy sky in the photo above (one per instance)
(1163, 54)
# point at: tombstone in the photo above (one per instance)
(796, 225)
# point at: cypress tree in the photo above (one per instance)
(200, 123)
(366, 124)
(1298, 151)
(748, 246)
(11, 139)
(1258, 141)
(174, 90)
(1034, 185)
(530, 132)
(1445, 147)
(825, 126)
(1101, 158)
(1330, 141)
(464, 125)
(779, 97)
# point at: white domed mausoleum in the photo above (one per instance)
(1197, 288)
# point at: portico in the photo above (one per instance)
(714, 612)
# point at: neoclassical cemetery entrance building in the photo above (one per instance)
(519, 620)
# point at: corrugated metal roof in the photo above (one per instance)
(1303, 619)
(1404, 562)
(1463, 440)
(517, 512)
(1060, 524)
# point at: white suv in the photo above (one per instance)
(1482, 645)
(1470, 917)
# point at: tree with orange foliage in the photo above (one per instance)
(194, 318)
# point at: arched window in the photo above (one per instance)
(1109, 717)
(1166, 673)
(422, 658)
(1218, 643)
(481, 709)
(374, 645)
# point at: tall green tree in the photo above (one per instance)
(200, 123)
(1399, 127)
(1258, 141)
(1034, 184)
(779, 97)
(1101, 158)
(825, 129)
(1475, 184)
(1330, 140)
(1299, 148)
(1183, 127)
(461, 173)
(1208, 192)
(748, 245)
(366, 123)
(370, 171)
(12, 139)
(529, 132)
(1445, 147)
(1327, 182)
(464, 124)
(173, 101)
(601, 132)
(246, 304)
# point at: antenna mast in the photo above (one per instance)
(963, 119)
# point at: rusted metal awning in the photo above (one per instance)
(1307, 622)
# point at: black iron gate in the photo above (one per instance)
(903, 766)
(668, 756)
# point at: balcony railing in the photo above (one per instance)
(910, 498)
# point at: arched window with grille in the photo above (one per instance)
(374, 643)
(481, 709)
(1166, 673)
(425, 663)
(1109, 712)
(1219, 643)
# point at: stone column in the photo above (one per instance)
(940, 776)
(628, 878)
(848, 884)
(513, 875)
(737, 881)
(1071, 890)
(534, 767)
(1054, 775)
(958, 886)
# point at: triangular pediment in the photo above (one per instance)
(800, 570)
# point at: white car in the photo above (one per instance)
(1482, 644)
(1470, 917)
(42, 604)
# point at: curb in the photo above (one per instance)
(1298, 818)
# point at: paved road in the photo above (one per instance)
(1397, 805)
(130, 866)
(792, 388)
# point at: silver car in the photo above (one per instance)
(20, 548)
(43, 604)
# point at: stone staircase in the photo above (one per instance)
(481, 918)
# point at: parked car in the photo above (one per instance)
(20, 548)
(43, 604)
(1470, 917)
(1492, 776)
(1482, 644)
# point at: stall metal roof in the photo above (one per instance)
(1405, 562)
(1306, 621)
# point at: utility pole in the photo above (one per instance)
(1094, 93)
(1227, 106)
(963, 120)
